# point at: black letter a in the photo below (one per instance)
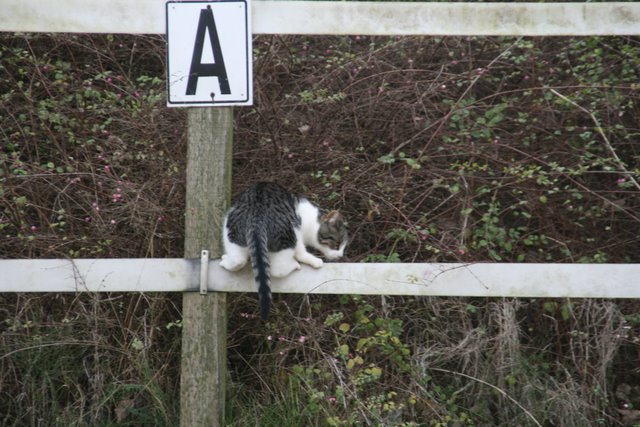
(198, 69)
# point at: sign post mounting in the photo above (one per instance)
(209, 53)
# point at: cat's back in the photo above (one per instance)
(266, 198)
(268, 205)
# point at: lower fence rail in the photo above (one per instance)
(427, 279)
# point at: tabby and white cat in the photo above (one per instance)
(273, 227)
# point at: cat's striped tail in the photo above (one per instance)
(257, 243)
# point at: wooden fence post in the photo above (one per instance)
(204, 330)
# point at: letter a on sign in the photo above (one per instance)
(209, 53)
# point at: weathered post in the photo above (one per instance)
(204, 330)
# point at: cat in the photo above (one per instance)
(273, 227)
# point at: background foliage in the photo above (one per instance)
(436, 149)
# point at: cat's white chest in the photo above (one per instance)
(309, 222)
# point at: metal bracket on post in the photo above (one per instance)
(204, 271)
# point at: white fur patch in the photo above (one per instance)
(310, 223)
(235, 257)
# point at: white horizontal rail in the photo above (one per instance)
(337, 17)
(482, 279)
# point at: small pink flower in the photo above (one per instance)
(621, 181)
(113, 221)
(302, 339)
(269, 338)
(332, 400)
(34, 228)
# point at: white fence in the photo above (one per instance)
(329, 17)
(203, 364)
(480, 279)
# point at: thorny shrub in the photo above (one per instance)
(436, 149)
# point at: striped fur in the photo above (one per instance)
(257, 243)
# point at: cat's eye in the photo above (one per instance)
(329, 241)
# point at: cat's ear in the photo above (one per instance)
(333, 221)
(333, 218)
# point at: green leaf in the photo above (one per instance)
(137, 344)
(387, 159)
(374, 371)
(567, 311)
(413, 163)
(550, 306)
(362, 343)
(343, 350)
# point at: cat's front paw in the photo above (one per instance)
(315, 262)
(334, 254)
(307, 258)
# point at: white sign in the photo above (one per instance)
(209, 53)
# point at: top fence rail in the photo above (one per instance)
(338, 17)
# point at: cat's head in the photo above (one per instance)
(333, 234)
